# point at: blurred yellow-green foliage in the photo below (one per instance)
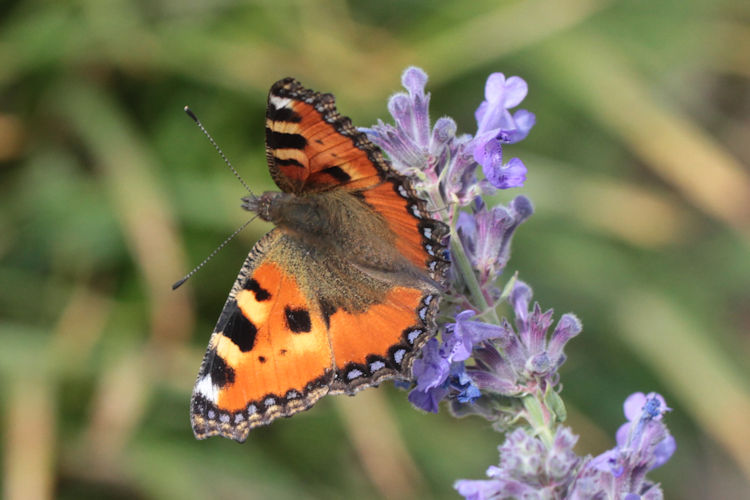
(637, 166)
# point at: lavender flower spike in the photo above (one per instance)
(441, 163)
(409, 142)
(528, 469)
(505, 370)
(643, 444)
(486, 235)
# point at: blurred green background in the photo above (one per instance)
(638, 167)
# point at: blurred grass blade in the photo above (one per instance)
(29, 441)
(593, 74)
(509, 27)
(373, 432)
(127, 173)
(638, 215)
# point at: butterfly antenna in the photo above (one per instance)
(221, 153)
(211, 255)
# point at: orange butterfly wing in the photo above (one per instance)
(279, 346)
(310, 146)
(268, 356)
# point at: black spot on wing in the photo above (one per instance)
(337, 173)
(282, 114)
(279, 140)
(221, 373)
(298, 320)
(238, 328)
(287, 162)
(260, 293)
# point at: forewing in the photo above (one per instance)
(311, 147)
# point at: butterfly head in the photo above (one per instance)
(264, 205)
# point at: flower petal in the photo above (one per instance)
(428, 400)
(568, 327)
(494, 88)
(414, 80)
(516, 90)
(432, 368)
(634, 405)
(664, 451)
(489, 154)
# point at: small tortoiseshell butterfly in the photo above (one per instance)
(340, 295)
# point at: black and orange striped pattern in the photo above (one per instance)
(311, 147)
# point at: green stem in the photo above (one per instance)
(467, 273)
(462, 263)
(538, 417)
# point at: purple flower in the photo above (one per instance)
(428, 400)
(465, 334)
(501, 176)
(466, 391)
(524, 359)
(440, 371)
(431, 370)
(442, 163)
(643, 444)
(638, 404)
(496, 126)
(500, 95)
(437, 160)
(506, 362)
(486, 235)
(528, 468)
(460, 185)
(431, 373)
(410, 144)
(505, 371)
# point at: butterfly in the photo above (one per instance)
(340, 295)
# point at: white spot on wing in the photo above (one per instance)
(224, 417)
(279, 102)
(352, 374)
(251, 409)
(376, 365)
(413, 335)
(399, 355)
(269, 402)
(205, 388)
(239, 418)
(422, 313)
(427, 232)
